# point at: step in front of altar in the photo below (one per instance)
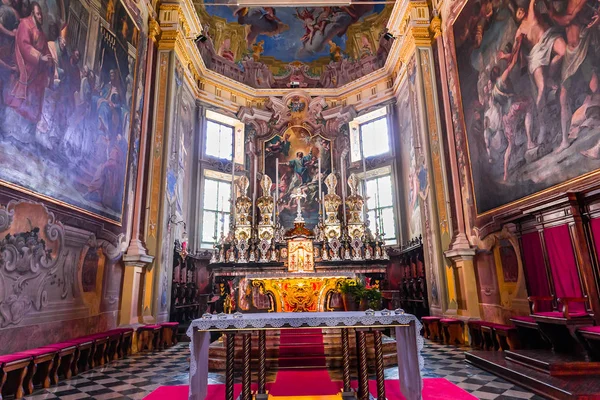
(332, 341)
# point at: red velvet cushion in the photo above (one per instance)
(524, 318)
(40, 351)
(559, 314)
(122, 330)
(81, 340)
(148, 327)
(590, 329)
(60, 346)
(450, 321)
(430, 318)
(115, 333)
(505, 328)
(8, 358)
(172, 324)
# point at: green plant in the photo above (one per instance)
(353, 288)
(373, 297)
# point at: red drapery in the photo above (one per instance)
(595, 225)
(535, 270)
(563, 265)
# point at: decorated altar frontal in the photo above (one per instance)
(409, 344)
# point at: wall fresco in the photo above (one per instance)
(530, 95)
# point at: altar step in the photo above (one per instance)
(332, 347)
(536, 370)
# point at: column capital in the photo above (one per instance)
(461, 254)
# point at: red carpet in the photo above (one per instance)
(303, 382)
(433, 389)
(301, 348)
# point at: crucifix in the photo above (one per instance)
(298, 195)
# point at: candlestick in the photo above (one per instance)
(276, 194)
(216, 220)
(319, 176)
(364, 165)
(254, 191)
(343, 178)
(232, 206)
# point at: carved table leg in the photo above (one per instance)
(247, 348)
(347, 392)
(363, 374)
(262, 368)
(379, 366)
(229, 365)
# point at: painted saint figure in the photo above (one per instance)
(300, 165)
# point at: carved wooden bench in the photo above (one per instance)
(63, 360)
(452, 330)
(431, 327)
(169, 334)
(13, 369)
(149, 337)
(474, 327)
(38, 371)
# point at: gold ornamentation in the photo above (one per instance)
(243, 224)
(266, 228)
(300, 256)
(332, 204)
(354, 207)
(299, 294)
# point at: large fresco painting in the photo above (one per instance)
(529, 83)
(67, 89)
(298, 153)
(312, 46)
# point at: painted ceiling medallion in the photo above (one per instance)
(289, 47)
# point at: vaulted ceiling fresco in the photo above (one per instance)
(278, 47)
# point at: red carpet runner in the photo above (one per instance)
(301, 348)
(433, 389)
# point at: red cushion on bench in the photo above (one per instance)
(149, 328)
(8, 358)
(40, 351)
(590, 329)
(559, 314)
(475, 322)
(450, 321)
(505, 328)
(430, 318)
(171, 324)
(81, 340)
(60, 346)
(121, 330)
(524, 318)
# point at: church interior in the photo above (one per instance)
(310, 200)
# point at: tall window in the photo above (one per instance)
(215, 216)
(375, 139)
(219, 140)
(381, 206)
(370, 130)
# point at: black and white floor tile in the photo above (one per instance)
(137, 376)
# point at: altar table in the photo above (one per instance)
(409, 344)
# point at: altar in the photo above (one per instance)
(263, 267)
(409, 344)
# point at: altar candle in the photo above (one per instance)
(232, 205)
(319, 175)
(217, 218)
(276, 194)
(254, 191)
(364, 165)
(343, 178)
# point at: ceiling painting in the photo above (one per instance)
(278, 47)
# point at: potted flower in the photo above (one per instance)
(373, 298)
(352, 293)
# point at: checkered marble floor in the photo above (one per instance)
(135, 377)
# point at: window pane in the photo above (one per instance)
(211, 196)
(371, 215)
(223, 220)
(371, 194)
(219, 140)
(224, 195)
(208, 226)
(384, 184)
(375, 137)
(389, 227)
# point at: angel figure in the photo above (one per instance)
(335, 51)
(257, 50)
(313, 24)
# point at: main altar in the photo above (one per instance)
(274, 269)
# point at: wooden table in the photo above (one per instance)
(408, 346)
